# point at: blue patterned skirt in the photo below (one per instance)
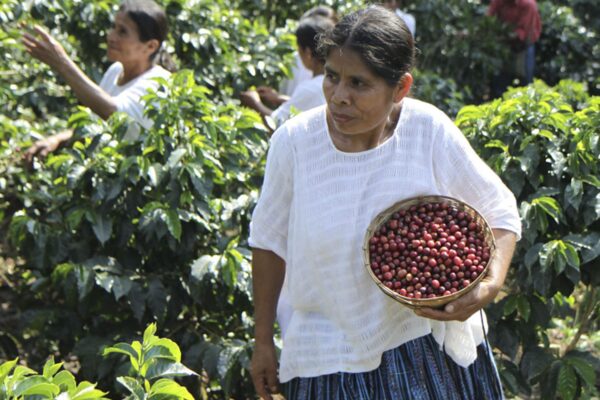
(417, 370)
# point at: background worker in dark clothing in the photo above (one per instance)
(524, 18)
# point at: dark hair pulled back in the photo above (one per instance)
(320, 11)
(379, 36)
(308, 32)
(151, 21)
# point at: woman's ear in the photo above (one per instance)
(152, 45)
(403, 87)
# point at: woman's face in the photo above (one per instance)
(358, 101)
(124, 43)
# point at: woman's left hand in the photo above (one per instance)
(487, 289)
(465, 306)
(44, 47)
(250, 98)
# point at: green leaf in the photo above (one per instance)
(149, 333)
(121, 287)
(535, 362)
(50, 368)
(127, 349)
(584, 369)
(523, 307)
(134, 387)
(157, 299)
(550, 206)
(547, 254)
(574, 193)
(510, 306)
(571, 255)
(137, 301)
(21, 371)
(85, 280)
(175, 157)
(164, 348)
(35, 385)
(86, 391)
(567, 382)
(5, 369)
(161, 368)
(173, 223)
(102, 227)
(166, 388)
(532, 255)
(498, 144)
(65, 381)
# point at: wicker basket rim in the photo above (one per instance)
(406, 203)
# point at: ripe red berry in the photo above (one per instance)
(428, 250)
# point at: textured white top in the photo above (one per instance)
(308, 94)
(299, 74)
(314, 209)
(127, 96)
(409, 20)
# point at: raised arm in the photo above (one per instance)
(42, 46)
(268, 272)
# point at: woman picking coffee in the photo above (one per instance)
(329, 172)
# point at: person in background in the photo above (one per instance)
(309, 93)
(299, 72)
(409, 19)
(330, 171)
(525, 21)
(135, 46)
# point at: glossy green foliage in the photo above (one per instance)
(18, 382)
(129, 226)
(545, 144)
(154, 363)
(570, 44)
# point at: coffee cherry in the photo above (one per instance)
(428, 250)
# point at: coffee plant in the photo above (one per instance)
(545, 144)
(129, 225)
(126, 227)
(154, 359)
(568, 47)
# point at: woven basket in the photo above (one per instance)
(436, 302)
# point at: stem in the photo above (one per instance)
(585, 319)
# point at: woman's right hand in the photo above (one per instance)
(263, 369)
(43, 147)
(42, 46)
(268, 94)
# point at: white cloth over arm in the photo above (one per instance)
(128, 96)
(270, 231)
(299, 74)
(309, 94)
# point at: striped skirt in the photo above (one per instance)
(417, 370)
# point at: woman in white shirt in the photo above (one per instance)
(299, 72)
(329, 172)
(308, 94)
(134, 45)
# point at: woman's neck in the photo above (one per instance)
(318, 69)
(132, 71)
(354, 143)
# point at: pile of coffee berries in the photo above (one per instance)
(428, 250)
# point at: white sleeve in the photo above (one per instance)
(270, 219)
(304, 98)
(460, 173)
